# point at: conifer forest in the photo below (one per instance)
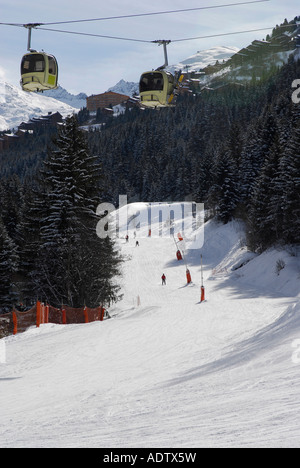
(236, 150)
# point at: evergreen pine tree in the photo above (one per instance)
(262, 215)
(250, 163)
(223, 196)
(290, 177)
(72, 265)
(8, 267)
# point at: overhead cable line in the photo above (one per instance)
(95, 35)
(183, 10)
(221, 34)
(158, 41)
(19, 25)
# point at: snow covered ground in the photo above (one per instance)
(167, 370)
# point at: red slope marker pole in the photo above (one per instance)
(202, 287)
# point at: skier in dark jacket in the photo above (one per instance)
(163, 279)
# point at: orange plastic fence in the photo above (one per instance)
(44, 313)
(24, 320)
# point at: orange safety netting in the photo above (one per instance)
(81, 315)
(55, 315)
(44, 313)
(23, 320)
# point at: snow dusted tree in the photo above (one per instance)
(257, 143)
(8, 266)
(223, 197)
(290, 189)
(262, 213)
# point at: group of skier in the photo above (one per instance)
(163, 278)
(136, 242)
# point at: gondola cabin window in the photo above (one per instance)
(151, 82)
(52, 65)
(32, 63)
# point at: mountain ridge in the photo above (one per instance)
(17, 106)
(61, 94)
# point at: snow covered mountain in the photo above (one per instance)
(167, 370)
(194, 63)
(128, 88)
(203, 58)
(17, 106)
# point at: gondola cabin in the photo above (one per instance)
(39, 72)
(156, 88)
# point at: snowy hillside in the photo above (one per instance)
(193, 64)
(203, 58)
(165, 370)
(17, 106)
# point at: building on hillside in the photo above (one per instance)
(28, 128)
(105, 100)
(49, 120)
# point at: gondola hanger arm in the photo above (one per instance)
(30, 26)
(164, 43)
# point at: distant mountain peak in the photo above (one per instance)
(128, 88)
(61, 94)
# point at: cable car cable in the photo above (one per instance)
(95, 35)
(160, 41)
(222, 34)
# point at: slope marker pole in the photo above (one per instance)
(202, 298)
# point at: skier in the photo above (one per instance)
(163, 279)
(127, 238)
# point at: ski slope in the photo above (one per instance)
(166, 370)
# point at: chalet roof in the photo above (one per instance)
(28, 127)
(109, 93)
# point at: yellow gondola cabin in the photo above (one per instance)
(156, 88)
(39, 72)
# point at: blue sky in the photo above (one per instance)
(92, 65)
